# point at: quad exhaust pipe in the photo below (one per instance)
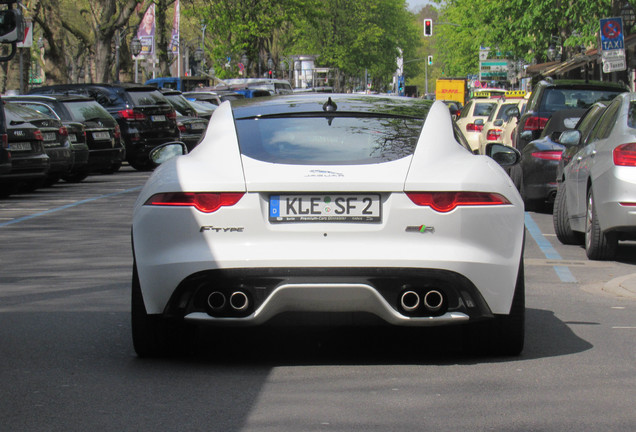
(433, 301)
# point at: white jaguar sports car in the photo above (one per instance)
(371, 208)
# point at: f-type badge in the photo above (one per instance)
(420, 229)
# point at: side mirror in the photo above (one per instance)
(12, 26)
(504, 155)
(513, 112)
(526, 135)
(570, 137)
(498, 122)
(167, 151)
(479, 122)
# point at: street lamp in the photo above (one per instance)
(135, 49)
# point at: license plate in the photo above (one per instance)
(20, 146)
(48, 136)
(158, 118)
(198, 126)
(72, 138)
(325, 208)
(101, 135)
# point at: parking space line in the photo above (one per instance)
(563, 272)
(64, 207)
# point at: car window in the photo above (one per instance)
(588, 121)
(153, 97)
(459, 136)
(343, 139)
(483, 108)
(631, 116)
(466, 109)
(44, 109)
(21, 112)
(82, 111)
(501, 113)
(181, 105)
(556, 99)
(604, 126)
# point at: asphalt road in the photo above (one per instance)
(67, 363)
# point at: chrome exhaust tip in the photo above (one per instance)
(410, 300)
(216, 300)
(239, 301)
(433, 300)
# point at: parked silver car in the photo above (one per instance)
(597, 192)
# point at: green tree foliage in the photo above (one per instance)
(524, 28)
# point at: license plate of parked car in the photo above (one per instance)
(101, 135)
(20, 146)
(48, 136)
(158, 118)
(325, 208)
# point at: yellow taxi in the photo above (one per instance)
(493, 130)
(474, 115)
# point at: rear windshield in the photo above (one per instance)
(19, 113)
(556, 99)
(328, 140)
(153, 97)
(483, 109)
(181, 105)
(82, 111)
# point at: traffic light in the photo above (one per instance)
(430, 60)
(428, 27)
(11, 26)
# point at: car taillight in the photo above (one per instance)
(493, 134)
(181, 127)
(63, 131)
(535, 123)
(37, 134)
(206, 202)
(172, 115)
(472, 127)
(625, 155)
(446, 201)
(131, 114)
(117, 131)
(5, 141)
(548, 155)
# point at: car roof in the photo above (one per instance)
(336, 103)
(51, 97)
(582, 84)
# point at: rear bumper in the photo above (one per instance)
(271, 292)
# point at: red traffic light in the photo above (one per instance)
(428, 27)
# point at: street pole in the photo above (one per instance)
(426, 79)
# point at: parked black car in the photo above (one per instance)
(191, 126)
(535, 176)
(29, 161)
(550, 96)
(101, 131)
(146, 119)
(54, 139)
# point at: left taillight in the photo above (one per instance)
(446, 201)
(63, 131)
(206, 202)
(493, 134)
(625, 155)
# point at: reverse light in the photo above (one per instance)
(206, 202)
(535, 123)
(553, 155)
(446, 201)
(625, 155)
(131, 114)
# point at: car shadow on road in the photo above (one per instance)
(546, 336)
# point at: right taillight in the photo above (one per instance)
(535, 123)
(5, 141)
(625, 155)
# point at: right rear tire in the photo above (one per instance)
(561, 221)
